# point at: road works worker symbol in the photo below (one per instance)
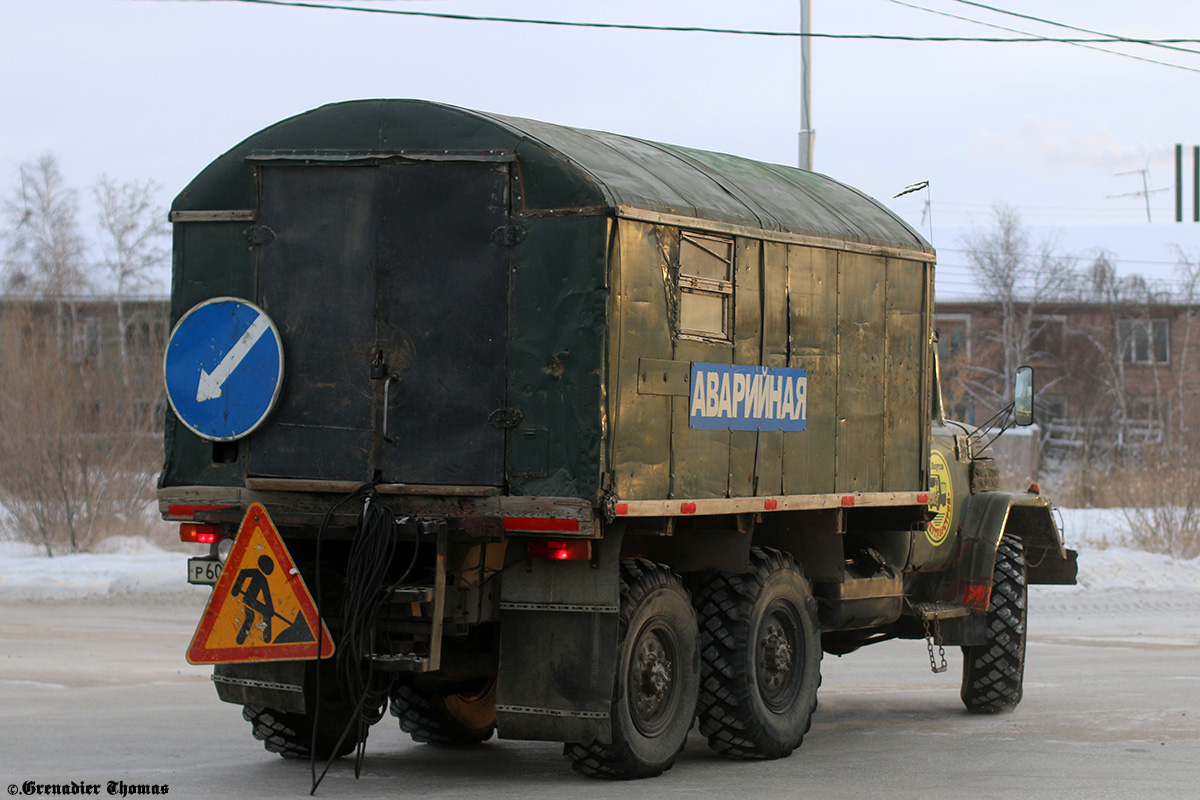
(252, 586)
(260, 609)
(941, 499)
(223, 368)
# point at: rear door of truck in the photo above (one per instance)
(385, 281)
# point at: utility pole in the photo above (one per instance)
(806, 129)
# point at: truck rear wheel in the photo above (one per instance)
(291, 734)
(656, 682)
(760, 658)
(994, 672)
(449, 719)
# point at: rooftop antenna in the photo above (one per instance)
(1145, 192)
(927, 211)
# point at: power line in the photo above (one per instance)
(1069, 27)
(521, 21)
(1084, 43)
(1025, 38)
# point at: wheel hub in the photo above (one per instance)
(650, 681)
(776, 656)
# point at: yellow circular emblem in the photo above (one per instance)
(941, 499)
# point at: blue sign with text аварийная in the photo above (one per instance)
(223, 368)
(739, 398)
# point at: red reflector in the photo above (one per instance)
(622, 509)
(923, 499)
(770, 505)
(687, 508)
(200, 533)
(189, 511)
(977, 595)
(847, 500)
(541, 524)
(560, 550)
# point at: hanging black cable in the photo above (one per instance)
(312, 753)
(372, 552)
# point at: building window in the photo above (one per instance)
(1143, 422)
(954, 336)
(1144, 341)
(149, 335)
(705, 286)
(1046, 337)
(85, 342)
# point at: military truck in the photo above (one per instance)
(574, 437)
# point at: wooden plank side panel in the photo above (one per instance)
(769, 468)
(699, 459)
(906, 419)
(747, 349)
(809, 457)
(640, 449)
(861, 372)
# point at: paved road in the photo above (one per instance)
(98, 691)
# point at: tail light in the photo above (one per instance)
(199, 532)
(560, 549)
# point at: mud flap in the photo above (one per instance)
(558, 645)
(269, 684)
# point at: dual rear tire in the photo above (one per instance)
(749, 668)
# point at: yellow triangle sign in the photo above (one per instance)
(260, 609)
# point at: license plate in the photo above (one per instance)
(203, 570)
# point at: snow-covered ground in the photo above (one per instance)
(122, 566)
(127, 566)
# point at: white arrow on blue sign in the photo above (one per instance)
(223, 368)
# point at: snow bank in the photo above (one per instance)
(1124, 568)
(124, 566)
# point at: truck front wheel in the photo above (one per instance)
(993, 673)
(449, 719)
(760, 658)
(656, 682)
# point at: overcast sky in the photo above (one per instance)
(159, 88)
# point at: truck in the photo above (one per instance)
(568, 436)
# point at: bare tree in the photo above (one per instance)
(1023, 278)
(78, 449)
(1189, 294)
(132, 226)
(45, 248)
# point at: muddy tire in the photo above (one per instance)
(291, 735)
(994, 672)
(448, 720)
(760, 651)
(656, 682)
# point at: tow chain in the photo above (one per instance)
(929, 637)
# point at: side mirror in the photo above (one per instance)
(1023, 397)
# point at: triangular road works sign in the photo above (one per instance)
(260, 609)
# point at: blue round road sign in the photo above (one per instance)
(223, 368)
